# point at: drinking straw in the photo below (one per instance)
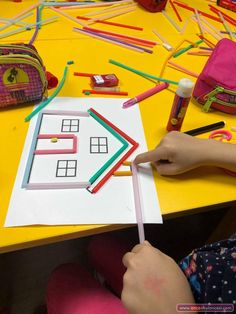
(28, 27)
(62, 4)
(181, 51)
(212, 27)
(165, 43)
(111, 8)
(164, 64)
(208, 30)
(227, 28)
(138, 39)
(199, 53)
(73, 19)
(49, 99)
(183, 69)
(172, 22)
(207, 41)
(110, 40)
(100, 92)
(175, 10)
(37, 27)
(185, 25)
(138, 202)
(108, 16)
(199, 21)
(146, 75)
(112, 23)
(226, 16)
(187, 7)
(13, 21)
(31, 8)
(92, 5)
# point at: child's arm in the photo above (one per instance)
(153, 282)
(178, 152)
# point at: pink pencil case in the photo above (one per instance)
(216, 85)
(22, 75)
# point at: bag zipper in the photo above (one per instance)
(211, 98)
(22, 48)
(18, 58)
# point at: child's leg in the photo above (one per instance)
(105, 253)
(72, 290)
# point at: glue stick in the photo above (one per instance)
(180, 104)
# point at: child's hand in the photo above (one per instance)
(153, 282)
(177, 153)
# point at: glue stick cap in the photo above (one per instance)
(185, 88)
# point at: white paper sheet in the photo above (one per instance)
(112, 204)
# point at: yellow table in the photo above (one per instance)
(57, 44)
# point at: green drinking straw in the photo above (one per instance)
(116, 155)
(178, 53)
(142, 73)
(49, 99)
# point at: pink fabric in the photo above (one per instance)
(218, 71)
(105, 253)
(72, 290)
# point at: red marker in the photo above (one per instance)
(180, 104)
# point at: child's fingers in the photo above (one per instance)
(146, 157)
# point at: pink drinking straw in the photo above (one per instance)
(137, 202)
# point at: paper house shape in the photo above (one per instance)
(75, 149)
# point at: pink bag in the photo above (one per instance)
(216, 85)
(22, 75)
